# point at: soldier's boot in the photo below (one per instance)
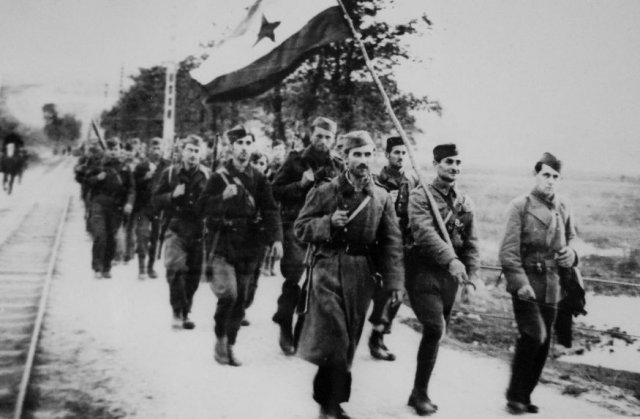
(142, 268)
(377, 348)
(421, 402)
(271, 264)
(176, 322)
(286, 338)
(233, 360)
(187, 323)
(220, 351)
(150, 271)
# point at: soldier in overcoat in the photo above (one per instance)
(435, 269)
(302, 170)
(177, 193)
(353, 228)
(239, 208)
(536, 248)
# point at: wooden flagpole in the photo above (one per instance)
(396, 122)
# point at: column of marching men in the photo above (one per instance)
(346, 238)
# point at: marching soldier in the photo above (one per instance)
(131, 159)
(300, 172)
(145, 217)
(353, 228)
(434, 268)
(535, 251)
(177, 193)
(92, 158)
(112, 196)
(394, 179)
(239, 208)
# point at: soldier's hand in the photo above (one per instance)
(394, 195)
(128, 208)
(276, 250)
(151, 171)
(397, 296)
(230, 191)
(102, 176)
(467, 293)
(178, 191)
(339, 218)
(307, 177)
(566, 257)
(526, 293)
(458, 271)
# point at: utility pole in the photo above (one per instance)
(169, 114)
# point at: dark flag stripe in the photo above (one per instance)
(324, 28)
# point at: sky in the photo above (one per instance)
(515, 77)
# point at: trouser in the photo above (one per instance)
(143, 226)
(154, 239)
(7, 182)
(292, 268)
(104, 222)
(332, 385)
(230, 283)
(432, 292)
(183, 260)
(383, 312)
(253, 284)
(129, 238)
(535, 324)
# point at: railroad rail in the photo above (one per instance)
(28, 255)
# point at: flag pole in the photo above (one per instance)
(396, 122)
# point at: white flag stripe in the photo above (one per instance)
(239, 51)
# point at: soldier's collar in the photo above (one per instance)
(315, 155)
(550, 202)
(349, 188)
(231, 167)
(444, 187)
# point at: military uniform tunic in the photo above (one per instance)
(183, 237)
(290, 193)
(240, 225)
(431, 288)
(108, 198)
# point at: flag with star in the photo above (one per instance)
(267, 45)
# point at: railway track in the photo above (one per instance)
(28, 254)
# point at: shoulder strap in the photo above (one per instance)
(223, 173)
(358, 210)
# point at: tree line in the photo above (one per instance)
(334, 82)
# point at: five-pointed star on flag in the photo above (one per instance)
(267, 30)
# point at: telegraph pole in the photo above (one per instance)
(169, 120)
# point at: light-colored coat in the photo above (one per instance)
(531, 239)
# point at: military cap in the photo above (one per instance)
(393, 142)
(355, 139)
(444, 150)
(113, 142)
(192, 139)
(156, 141)
(551, 161)
(325, 124)
(238, 132)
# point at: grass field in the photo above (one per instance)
(606, 210)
